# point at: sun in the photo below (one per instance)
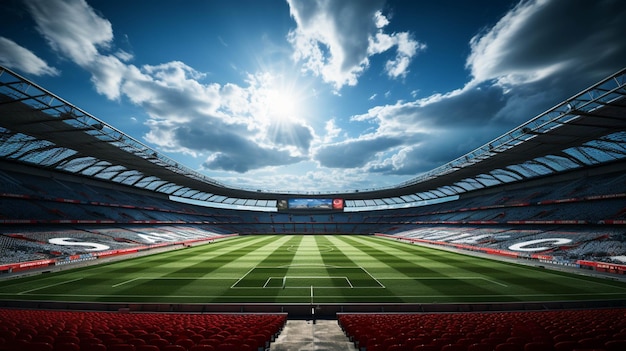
(282, 105)
(280, 98)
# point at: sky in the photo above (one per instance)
(313, 95)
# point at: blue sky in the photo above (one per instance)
(313, 95)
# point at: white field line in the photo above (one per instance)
(168, 278)
(300, 296)
(284, 282)
(375, 279)
(447, 278)
(243, 276)
(49, 286)
(495, 282)
(124, 282)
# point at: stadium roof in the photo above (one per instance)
(43, 130)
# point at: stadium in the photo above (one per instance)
(109, 245)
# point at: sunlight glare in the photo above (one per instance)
(280, 98)
(282, 105)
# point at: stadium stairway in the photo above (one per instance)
(305, 335)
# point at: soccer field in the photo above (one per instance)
(310, 269)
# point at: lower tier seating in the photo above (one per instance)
(41, 330)
(596, 329)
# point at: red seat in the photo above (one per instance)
(254, 342)
(248, 347)
(44, 338)
(466, 341)
(590, 343)
(67, 339)
(378, 347)
(173, 348)
(66, 346)
(147, 348)
(453, 347)
(565, 345)
(104, 336)
(196, 338)
(125, 336)
(615, 345)
(149, 336)
(480, 347)
(121, 347)
(562, 337)
(136, 341)
(212, 341)
(441, 341)
(228, 347)
(158, 342)
(426, 348)
(201, 347)
(519, 340)
(186, 343)
(261, 339)
(397, 348)
(138, 332)
(95, 347)
(37, 346)
(538, 346)
(509, 346)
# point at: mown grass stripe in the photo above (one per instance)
(204, 262)
(205, 274)
(416, 267)
(525, 278)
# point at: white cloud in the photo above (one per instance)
(407, 48)
(574, 37)
(332, 131)
(123, 55)
(229, 123)
(517, 72)
(335, 39)
(17, 57)
(107, 75)
(72, 28)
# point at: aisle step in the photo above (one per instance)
(304, 335)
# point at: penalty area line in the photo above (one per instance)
(49, 286)
(125, 282)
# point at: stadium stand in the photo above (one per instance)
(26, 330)
(586, 227)
(595, 329)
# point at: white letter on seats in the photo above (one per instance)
(66, 241)
(557, 241)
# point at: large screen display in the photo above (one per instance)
(310, 204)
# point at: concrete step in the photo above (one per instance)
(305, 335)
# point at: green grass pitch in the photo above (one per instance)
(310, 269)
